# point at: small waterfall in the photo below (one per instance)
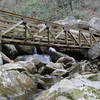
(34, 50)
(46, 58)
(43, 58)
(52, 49)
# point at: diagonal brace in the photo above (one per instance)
(10, 29)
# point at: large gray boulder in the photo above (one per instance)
(77, 88)
(60, 57)
(21, 65)
(71, 20)
(50, 67)
(95, 23)
(94, 52)
(83, 25)
(14, 82)
(68, 61)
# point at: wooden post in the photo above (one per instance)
(90, 39)
(0, 42)
(66, 37)
(48, 33)
(25, 32)
(66, 30)
(25, 27)
(29, 32)
(80, 38)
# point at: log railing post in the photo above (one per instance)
(25, 27)
(0, 42)
(90, 39)
(80, 38)
(48, 33)
(66, 36)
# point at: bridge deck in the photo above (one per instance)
(32, 31)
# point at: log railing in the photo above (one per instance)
(49, 35)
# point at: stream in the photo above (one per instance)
(48, 77)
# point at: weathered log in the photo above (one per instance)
(5, 58)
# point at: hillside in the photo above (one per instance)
(53, 9)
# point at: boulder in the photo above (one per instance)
(59, 72)
(81, 67)
(83, 25)
(95, 23)
(68, 61)
(77, 88)
(50, 67)
(9, 50)
(30, 66)
(86, 66)
(71, 20)
(37, 63)
(30, 58)
(55, 55)
(14, 84)
(17, 83)
(94, 52)
(21, 65)
(24, 49)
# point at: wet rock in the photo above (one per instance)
(76, 88)
(60, 57)
(9, 50)
(50, 80)
(59, 72)
(37, 63)
(30, 66)
(55, 55)
(68, 61)
(24, 49)
(50, 67)
(75, 68)
(94, 52)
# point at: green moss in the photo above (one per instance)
(75, 93)
(94, 77)
(7, 91)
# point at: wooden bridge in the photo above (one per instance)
(21, 30)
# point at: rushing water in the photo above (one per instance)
(43, 58)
